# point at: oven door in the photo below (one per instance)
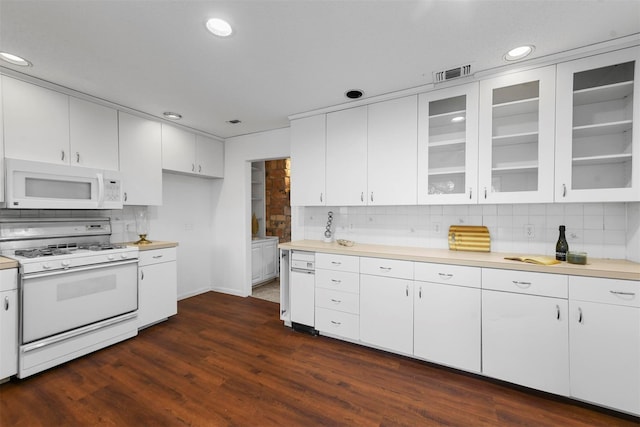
(59, 301)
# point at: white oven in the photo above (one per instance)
(36, 185)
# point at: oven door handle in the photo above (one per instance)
(78, 269)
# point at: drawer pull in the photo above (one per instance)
(445, 275)
(579, 315)
(157, 256)
(626, 294)
(406, 291)
(557, 312)
(385, 268)
(6, 303)
(335, 301)
(336, 263)
(420, 292)
(333, 322)
(521, 284)
(336, 281)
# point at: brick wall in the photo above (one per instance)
(277, 199)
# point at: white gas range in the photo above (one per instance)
(77, 292)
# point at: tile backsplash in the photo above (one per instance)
(603, 230)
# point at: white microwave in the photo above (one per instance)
(36, 185)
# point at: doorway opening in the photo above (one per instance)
(270, 224)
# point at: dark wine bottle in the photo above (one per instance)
(562, 247)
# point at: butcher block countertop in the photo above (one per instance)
(7, 263)
(155, 244)
(595, 267)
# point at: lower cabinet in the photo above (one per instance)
(8, 323)
(604, 331)
(157, 286)
(264, 259)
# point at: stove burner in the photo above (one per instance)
(100, 246)
(36, 253)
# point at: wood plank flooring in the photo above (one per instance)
(229, 361)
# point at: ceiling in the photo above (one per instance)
(285, 56)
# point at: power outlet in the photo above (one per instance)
(529, 231)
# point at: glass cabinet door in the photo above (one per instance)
(516, 137)
(597, 136)
(448, 145)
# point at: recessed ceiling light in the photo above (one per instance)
(172, 116)
(14, 59)
(519, 52)
(354, 93)
(219, 27)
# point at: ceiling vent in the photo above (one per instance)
(452, 73)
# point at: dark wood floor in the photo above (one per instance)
(225, 360)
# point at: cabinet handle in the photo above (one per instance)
(372, 196)
(336, 281)
(62, 155)
(77, 157)
(420, 292)
(320, 197)
(336, 263)
(362, 196)
(564, 190)
(336, 323)
(385, 268)
(485, 192)
(470, 193)
(6, 303)
(557, 312)
(628, 294)
(521, 284)
(141, 274)
(125, 196)
(335, 301)
(199, 168)
(157, 256)
(579, 315)
(445, 275)
(406, 290)
(193, 167)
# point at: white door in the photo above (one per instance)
(158, 293)
(93, 135)
(392, 149)
(308, 151)
(516, 137)
(256, 262)
(597, 131)
(269, 259)
(525, 340)
(178, 150)
(209, 157)
(447, 325)
(386, 313)
(347, 157)
(302, 293)
(8, 332)
(448, 145)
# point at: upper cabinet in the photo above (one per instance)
(597, 138)
(392, 146)
(187, 153)
(308, 150)
(48, 126)
(1, 147)
(346, 167)
(516, 137)
(140, 160)
(448, 145)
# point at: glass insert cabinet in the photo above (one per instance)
(596, 135)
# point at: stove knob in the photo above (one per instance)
(111, 257)
(124, 256)
(46, 266)
(66, 263)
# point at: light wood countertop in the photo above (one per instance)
(7, 263)
(595, 267)
(155, 244)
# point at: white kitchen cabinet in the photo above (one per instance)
(8, 323)
(93, 135)
(264, 259)
(36, 122)
(604, 331)
(140, 160)
(346, 157)
(308, 151)
(386, 304)
(525, 336)
(597, 133)
(448, 145)
(1, 147)
(183, 152)
(516, 137)
(446, 315)
(302, 288)
(392, 146)
(210, 156)
(157, 285)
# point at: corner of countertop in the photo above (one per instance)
(6, 263)
(155, 244)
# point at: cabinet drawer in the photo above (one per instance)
(338, 323)
(448, 274)
(525, 282)
(338, 280)
(607, 291)
(337, 262)
(337, 300)
(387, 267)
(156, 256)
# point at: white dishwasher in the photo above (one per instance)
(302, 291)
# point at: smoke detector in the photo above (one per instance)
(452, 73)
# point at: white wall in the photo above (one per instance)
(230, 261)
